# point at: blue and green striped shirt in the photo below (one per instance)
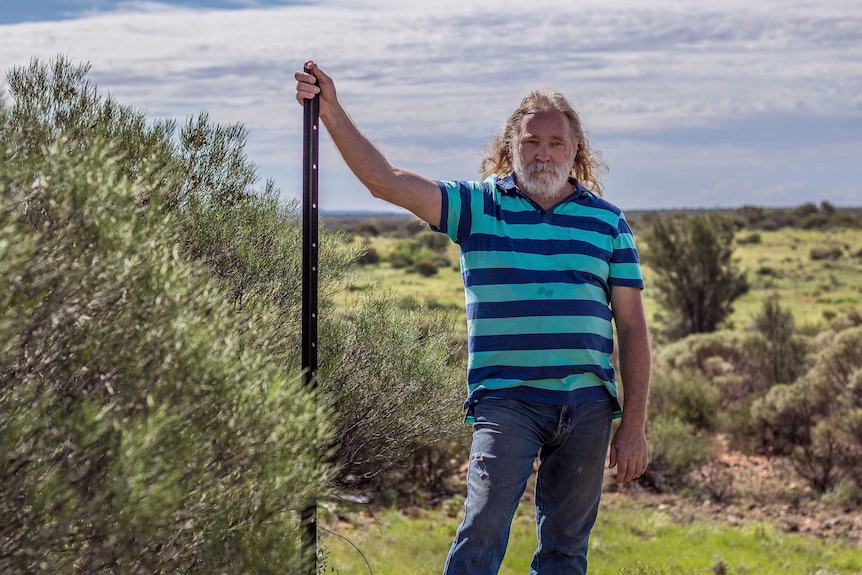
(537, 288)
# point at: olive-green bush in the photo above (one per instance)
(675, 449)
(686, 395)
(142, 425)
(815, 419)
(153, 417)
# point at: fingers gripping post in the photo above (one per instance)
(310, 148)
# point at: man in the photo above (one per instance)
(547, 265)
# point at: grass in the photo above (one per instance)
(626, 539)
(443, 289)
(816, 290)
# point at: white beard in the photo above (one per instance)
(540, 180)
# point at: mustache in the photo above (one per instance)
(540, 167)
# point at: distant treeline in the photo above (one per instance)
(806, 216)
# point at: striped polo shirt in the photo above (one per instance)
(537, 287)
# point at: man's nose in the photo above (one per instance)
(543, 153)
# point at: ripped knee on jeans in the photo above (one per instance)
(479, 462)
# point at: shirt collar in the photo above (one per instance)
(507, 186)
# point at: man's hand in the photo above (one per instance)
(396, 186)
(310, 82)
(629, 453)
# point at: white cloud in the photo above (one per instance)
(773, 81)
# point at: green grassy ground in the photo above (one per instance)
(444, 288)
(624, 537)
(816, 290)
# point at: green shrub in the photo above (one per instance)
(753, 238)
(434, 241)
(142, 421)
(408, 252)
(814, 419)
(743, 432)
(403, 254)
(368, 255)
(425, 267)
(153, 416)
(688, 396)
(814, 221)
(696, 278)
(849, 434)
(818, 460)
(367, 229)
(675, 448)
(783, 350)
(395, 395)
(826, 253)
(432, 475)
(730, 359)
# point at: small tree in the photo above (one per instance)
(697, 279)
(784, 351)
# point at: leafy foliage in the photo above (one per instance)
(733, 368)
(152, 414)
(696, 277)
(394, 396)
(675, 449)
(815, 419)
(686, 395)
(142, 426)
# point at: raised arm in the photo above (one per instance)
(400, 187)
(628, 451)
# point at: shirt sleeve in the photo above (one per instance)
(625, 269)
(457, 208)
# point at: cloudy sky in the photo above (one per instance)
(693, 104)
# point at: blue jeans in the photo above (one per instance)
(571, 442)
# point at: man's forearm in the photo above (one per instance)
(635, 373)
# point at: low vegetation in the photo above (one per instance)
(153, 417)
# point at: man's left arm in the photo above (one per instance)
(628, 452)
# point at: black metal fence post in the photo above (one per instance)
(310, 147)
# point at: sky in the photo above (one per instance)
(692, 104)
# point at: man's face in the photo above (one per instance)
(544, 154)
